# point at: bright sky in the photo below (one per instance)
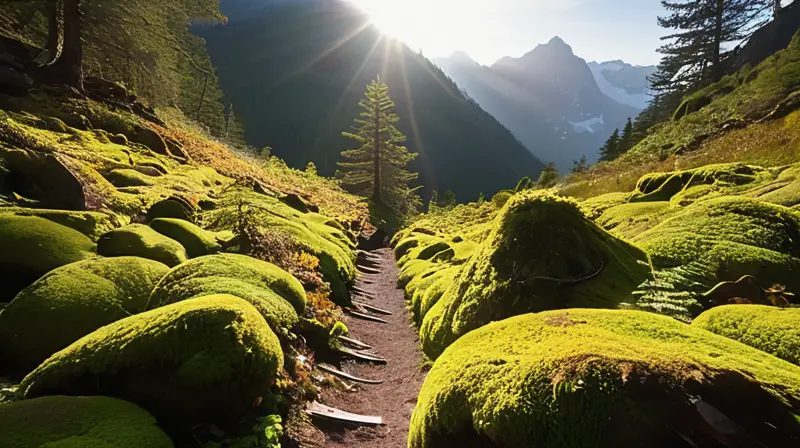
(597, 30)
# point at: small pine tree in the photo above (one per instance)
(449, 199)
(433, 204)
(481, 197)
(579, 166)
(549, 176)
(311, 168)
(610, 150)
(376, 169)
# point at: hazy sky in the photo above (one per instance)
(597, 30)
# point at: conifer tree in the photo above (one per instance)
(626, 141)
(610, 150)
(433, 204)
(376, 168)
(549, 176)
(579, 166)
(449, 199)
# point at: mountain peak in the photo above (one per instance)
(462, 57)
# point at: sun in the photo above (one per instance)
(421, 24)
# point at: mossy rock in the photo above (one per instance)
(151, 139)
(663, 186)
(129, 178)
(731, 236)
(175, 208)
(42, 177)
(434, 249)
(91, 224)
(70, 302)
(138, 240)
(195, 240)
(692, 105)
(277, 295)
(767, 328)
(542, 254)
(202, 360)
(33, 246)
(72, 422)
(597, 378)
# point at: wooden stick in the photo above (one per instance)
(374, 309)
(365, 316)
(355, 343)
(345, 375)
(361, 356)
(334, 415)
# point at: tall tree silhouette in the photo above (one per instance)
(377, 168)
(64, 42)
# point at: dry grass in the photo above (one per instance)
(204, 149)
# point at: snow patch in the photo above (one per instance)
(591, 125)
(617, 94)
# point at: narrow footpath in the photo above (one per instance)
(397, 342)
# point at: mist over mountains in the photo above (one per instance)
(560, 107)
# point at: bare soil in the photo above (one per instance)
(398, 343)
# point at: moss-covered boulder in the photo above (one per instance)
(597, 378)
(33, 246)
(731, 236)
(65, 422)
(91, 224)
(70, 302)
(663, 186)
(202, 360)
(174, 207)
(767, 328)
(129, 178)
(139, 240)
(542, 253)
(275, 293)
(194, 239)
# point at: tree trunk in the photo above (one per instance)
(69, 65)
(376, 192)
(716, 70)
(55, 33)
(778, 8)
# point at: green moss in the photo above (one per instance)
(32, 246)
(770, 329)
(70, 302)
(732, 236)
(542, 254)
(434, 249)
(594, 378)
(91, 224)
(663, 186)
(429, 292)
(141, 241)
(785, 190)
(73, 422)
(412, 269)
(194, 239)
(277, 295)
(172, 208)
(129, 178)
(309, 231)
(631, 219)
(201, 360)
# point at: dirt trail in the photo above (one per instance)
(398, 343)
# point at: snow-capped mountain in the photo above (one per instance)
(550, 99)
(624, 82)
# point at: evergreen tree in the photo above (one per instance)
(610, 150)
(626, 141)
(433, 204)
(376, 168)
(449, 199)
(549, 176)
(481, 197)
(579, 166)
(701, 28)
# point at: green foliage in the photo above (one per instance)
(526, 183)
(770, 329)
(70, 302)
(542, 253)
(611, 149)
(205, 359)
(73, 422)
(377, 168)
(141, 241)
(579, 166)
(32, 246)
(568, 378)
(277, 295)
